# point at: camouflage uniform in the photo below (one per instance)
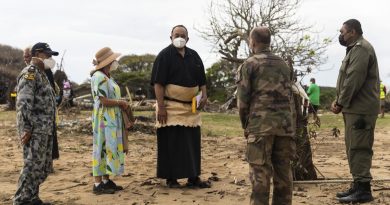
(266, 112)
(35, 110)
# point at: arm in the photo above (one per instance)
(162, 112)
(355, 76)
(99, 86)
(243, 93)
(309, 90)
(25, 104)
(112, 102)
(203, 100)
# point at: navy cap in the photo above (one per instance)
(43, 47)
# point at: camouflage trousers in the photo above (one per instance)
(270, 157)
(38, 163)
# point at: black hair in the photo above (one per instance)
(313, 80)
(355, 25)
(261, 37)
(182, 26)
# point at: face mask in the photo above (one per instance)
(179, 42)
(49, 63)
(114, 65)
(342, 41)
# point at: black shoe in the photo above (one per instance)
(348, 192)
(196, 182)
(362, 194)
(172, 183)
(39, 202)
(111, 185)
(102, 189)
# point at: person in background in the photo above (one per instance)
(383, 93)
(314, 98)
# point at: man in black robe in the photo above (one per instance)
(178, 76)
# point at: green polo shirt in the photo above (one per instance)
(314, 94)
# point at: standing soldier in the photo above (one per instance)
(266, 112)
(358, 99)
(35, 109)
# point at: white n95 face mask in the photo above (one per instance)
(49, 63)
(114, 65)
(179, 42)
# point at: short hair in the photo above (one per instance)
(313, 80)
(355, 25)
(261, 35)
(27, 49)
(182, 26)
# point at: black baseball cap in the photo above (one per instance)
(43, 47)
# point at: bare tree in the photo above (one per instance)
(230, 24)
(231, 21)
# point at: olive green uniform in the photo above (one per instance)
(358, 94)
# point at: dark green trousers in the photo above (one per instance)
(359, 139)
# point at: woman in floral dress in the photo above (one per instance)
(107, 123)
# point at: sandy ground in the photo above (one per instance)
(72, 182)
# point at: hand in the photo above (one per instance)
(25, 137)
(162, 115)
(123, 104)
(336, 109)
(202, 102)
(246, 134)
(37, 62)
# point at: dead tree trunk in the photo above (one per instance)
(303, 167)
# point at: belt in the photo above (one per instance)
(176, 100)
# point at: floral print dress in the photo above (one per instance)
(108, 155)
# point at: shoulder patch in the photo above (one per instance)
(29, 76)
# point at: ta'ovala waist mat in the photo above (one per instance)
(178, 105)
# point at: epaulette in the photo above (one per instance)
(30, 75)
(31, 68)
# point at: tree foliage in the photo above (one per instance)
(231, 21)
(220, 80)
(135, 72)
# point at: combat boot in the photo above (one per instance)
(348, 192)
(362, 194)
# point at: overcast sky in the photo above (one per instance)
(81, 27)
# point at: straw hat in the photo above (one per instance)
(104, 57)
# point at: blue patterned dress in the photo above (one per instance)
(108, 155)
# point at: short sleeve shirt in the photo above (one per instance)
(172, 68)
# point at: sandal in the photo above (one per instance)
(196, 182)
(172, 183)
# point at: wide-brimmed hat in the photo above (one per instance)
(104, 57)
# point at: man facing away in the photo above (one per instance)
(266, 111)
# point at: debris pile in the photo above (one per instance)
(144, 125)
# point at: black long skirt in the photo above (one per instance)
(178, 154)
